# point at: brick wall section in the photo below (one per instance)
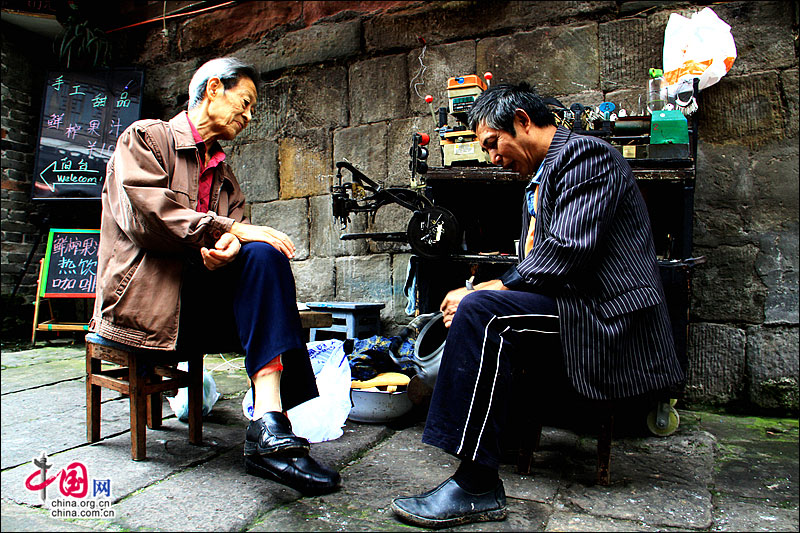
(335, 83)
(20, 82)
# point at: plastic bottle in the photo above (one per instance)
(656, 90)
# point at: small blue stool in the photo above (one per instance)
(357, 320)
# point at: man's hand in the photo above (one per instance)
(249, 233)
(454, 297)
(450, 304)
(224, 252)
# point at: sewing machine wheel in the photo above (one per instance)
(433, 232)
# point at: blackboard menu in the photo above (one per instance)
(70, 264)
(83, 115)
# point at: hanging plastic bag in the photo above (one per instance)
(321, 418)
(180, 402)
(698, 47)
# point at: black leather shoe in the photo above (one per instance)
(450, 505)
(272, 434)
(300, 473)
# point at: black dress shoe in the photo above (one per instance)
(450, 505)
(300, 473)
(272, 434)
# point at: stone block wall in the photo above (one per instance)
(342, 80)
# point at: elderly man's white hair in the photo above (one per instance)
(227, 69)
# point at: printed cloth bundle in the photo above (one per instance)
(376, 355)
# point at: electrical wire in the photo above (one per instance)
(420, 73)
(165, 17)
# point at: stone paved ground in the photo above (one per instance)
(716, 473)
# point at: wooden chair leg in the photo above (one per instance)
(530, 443)
(36, 304)
(93, 397)
(604, 449)
(154, 405)
(138, 411)
(196, 399)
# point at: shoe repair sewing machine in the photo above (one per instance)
(432, 230)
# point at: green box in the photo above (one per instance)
(669, 151)
(669, 127)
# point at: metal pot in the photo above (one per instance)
(428, 349)
(378, 406)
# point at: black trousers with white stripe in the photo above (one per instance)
(490, 331)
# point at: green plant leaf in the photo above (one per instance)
(66, 47)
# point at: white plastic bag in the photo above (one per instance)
(698, 47)
(321, 418)
(180, 402)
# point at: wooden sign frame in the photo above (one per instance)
(82, 117)
(89, 261)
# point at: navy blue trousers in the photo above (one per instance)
(490, 331)
(249, 305)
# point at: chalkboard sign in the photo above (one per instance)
(83, 115)
(70, 264)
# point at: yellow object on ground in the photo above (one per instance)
(382, 380)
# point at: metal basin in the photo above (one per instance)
(377, 406)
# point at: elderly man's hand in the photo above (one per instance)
(279, 240)
(224, 252)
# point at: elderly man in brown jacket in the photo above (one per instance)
(181, 267)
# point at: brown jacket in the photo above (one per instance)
(150, 230)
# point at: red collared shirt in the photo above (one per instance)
(206, 171)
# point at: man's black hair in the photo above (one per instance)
(497, 105)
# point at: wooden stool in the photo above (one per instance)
(140, 376)
(533, 434)
(606, 413)
(655, 408)
(535, 388)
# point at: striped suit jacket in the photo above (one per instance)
(593, 251)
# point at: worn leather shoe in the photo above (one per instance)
(272, 434)
(450, 505)
(300, 473)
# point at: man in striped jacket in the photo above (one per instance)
(587, 277)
